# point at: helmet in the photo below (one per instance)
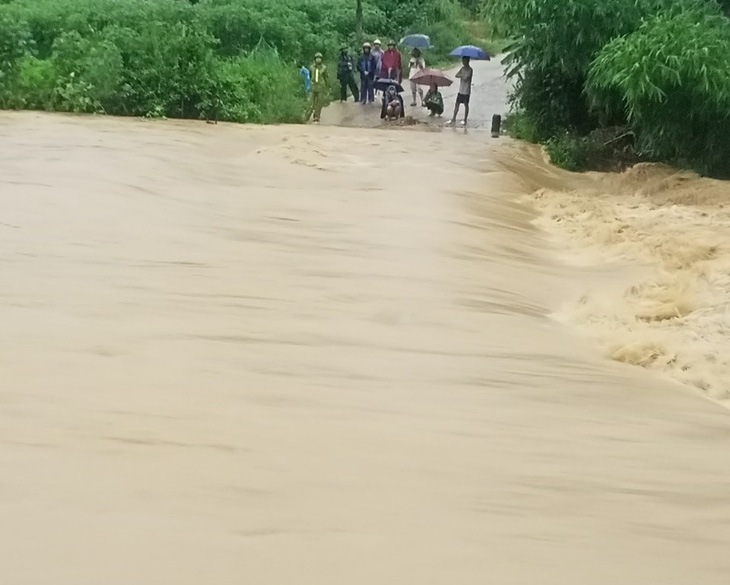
(366, 45)
(318, 55)
(377, 42)
(391, 43)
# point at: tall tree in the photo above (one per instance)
(358, 21)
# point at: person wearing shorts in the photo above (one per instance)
(465, 75)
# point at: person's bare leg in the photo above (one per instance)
(456, 113)
(466, 113)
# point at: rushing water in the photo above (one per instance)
(317, 355)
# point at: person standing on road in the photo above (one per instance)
(307, 77)
(367, 65)
(416, 65)
(320, 79)
(346, 75)
(392, 63)
(466, 75)
(378, 54)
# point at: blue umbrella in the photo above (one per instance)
(416, 41)
(470, 51)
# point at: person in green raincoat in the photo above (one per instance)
(320, 79)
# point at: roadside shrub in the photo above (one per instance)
(88, 73)
(35, 85)
(673, 78)
(244, 91)
(15, 42)
(573, 153)
(605, 149)
(232, 59)
(519, 125)
(554, 44)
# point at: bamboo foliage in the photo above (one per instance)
(659, 67)
(672, 77)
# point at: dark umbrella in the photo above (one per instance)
(416, 41)
(432, 76)
(470, 51)
(384, 83)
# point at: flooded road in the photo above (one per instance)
(489, 97)
(321, 355)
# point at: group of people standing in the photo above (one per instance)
(372, 64)
(375, 68)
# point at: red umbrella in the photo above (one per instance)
(432, 76)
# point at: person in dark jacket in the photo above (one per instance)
(393, 107)
(346, 75)
(367, 66)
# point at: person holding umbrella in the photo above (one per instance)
(346, 75)
(434, 101)
(392, 63)
(434, 78)
(393, 107)
(415, 66)
(367, 65)
(465, 75)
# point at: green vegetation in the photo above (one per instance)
(656, 68)
(234, 60)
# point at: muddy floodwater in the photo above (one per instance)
(330, 356)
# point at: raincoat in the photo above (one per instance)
(392, 65)
(320, 78)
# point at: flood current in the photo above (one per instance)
(322, 355)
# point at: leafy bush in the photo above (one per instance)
(35, 85)
(572, 153)
(673, 78)
(519, 125)
(554, 44)
(88, 71)
(233, 59)
(258, 89)
(15, 41)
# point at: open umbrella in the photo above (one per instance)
(384, 83)
(470, 51)
(432, 76)
(416, 41)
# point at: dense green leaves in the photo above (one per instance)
(15, 42)
(236, 59)
(554, 43)
(672, 76)
(660, 67)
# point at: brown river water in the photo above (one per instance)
(321, 355)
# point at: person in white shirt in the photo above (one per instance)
(465, 74)
(415, 65)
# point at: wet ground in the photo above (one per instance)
(489, 97)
